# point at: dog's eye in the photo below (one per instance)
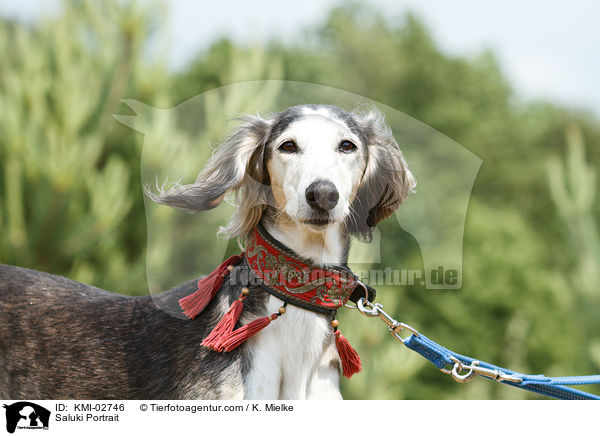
(347, 146)
(288, 147)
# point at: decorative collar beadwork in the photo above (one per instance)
(283, 273)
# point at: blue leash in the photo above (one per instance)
(463, 368)
(556, 387)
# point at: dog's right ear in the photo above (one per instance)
(387, 181)
(234, 159)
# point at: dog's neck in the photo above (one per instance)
(323, 246)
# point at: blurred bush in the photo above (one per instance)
(69, 177)
(71, 201)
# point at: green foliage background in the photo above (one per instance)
(71, 198)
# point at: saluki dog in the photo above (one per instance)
(309, 177)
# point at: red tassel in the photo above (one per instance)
(237, 337)
(225, 325)
(351, 363)
(195, 303)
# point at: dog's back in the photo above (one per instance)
(63, 339)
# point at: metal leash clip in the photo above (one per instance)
(474, 369)
(395, 327)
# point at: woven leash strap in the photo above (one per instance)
(555, 387)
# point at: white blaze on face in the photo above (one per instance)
(318, 136)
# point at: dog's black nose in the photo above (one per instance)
(322, 194)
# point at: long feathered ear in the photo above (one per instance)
(228, 169)
(386, 182)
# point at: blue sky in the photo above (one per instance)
(547, 49)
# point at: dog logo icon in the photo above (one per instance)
(26, 415)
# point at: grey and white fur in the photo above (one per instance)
(314, 175)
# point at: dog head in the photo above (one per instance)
(315, 165)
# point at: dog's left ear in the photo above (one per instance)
(236, 164)
(386, 182)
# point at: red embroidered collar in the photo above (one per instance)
(282, 273)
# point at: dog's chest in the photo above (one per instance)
(285, 355)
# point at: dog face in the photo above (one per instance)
(314, 164)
